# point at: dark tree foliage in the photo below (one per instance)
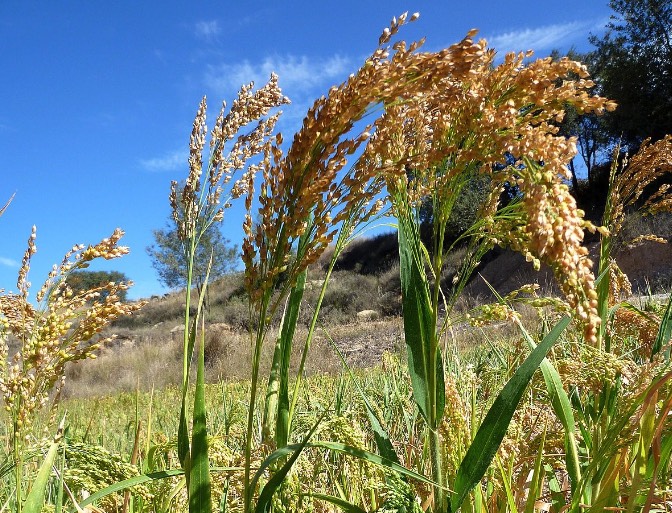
(463, 215)
(81, 281)
(633, 66)
(169, 257)
(591, 130)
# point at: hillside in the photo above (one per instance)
(147, 350)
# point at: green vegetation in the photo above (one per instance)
(171, 263)
(81, 281)
(441, 427)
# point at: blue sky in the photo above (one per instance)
(97, 98)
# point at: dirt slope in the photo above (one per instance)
(648, 266)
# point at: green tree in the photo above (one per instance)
(590, 129)
(169, 256)
(463, 214)
(633, 66)
(82, 281)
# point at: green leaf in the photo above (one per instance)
(535, 490)
(562, 408)
(35, 500)
(506, 481)
(200, 500)
(266, 495)
(380, 435)
(295, 449)
(183, 452)
(289, 322)
(336, 501)
(372, 458)
(491, 432)
(128, 483)
(183, 445)
(143, 478)
(664, 332)
(264, 501)
(419, 329)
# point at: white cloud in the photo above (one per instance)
(207, 29)
(546, 37)
(8, 262)
(297, 73)
(170, 162)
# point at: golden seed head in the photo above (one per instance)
(61, 330)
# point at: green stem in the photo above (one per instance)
(311, 333)
(18, 460)
(261, 332)
(435, 447)
(183, 443)
(187, 307)
(606, 245)
(436, 367)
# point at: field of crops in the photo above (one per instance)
(569, 412)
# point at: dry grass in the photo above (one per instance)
(146, 358)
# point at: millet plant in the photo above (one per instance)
(409, 127)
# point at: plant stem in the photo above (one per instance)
(187, 308)
(18, 459)
(606, 245)
(260, 335)
(436, 367)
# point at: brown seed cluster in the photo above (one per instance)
(629, 324)
(309, 191)
(439, 115)
(652, 161)
(552, 232)
(469, 120)
(238, 136)
(62, 328)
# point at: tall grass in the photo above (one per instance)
(438, 433)
(60, 327)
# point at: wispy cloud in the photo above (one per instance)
(546, 37)
(5, 125)
(8, 262)
(207, 30)
(297, 73)
(170, 162)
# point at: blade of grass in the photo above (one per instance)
(278, 404)
(372, 458)
(147, 461)
(264, 501)
(560, 403)
(418, 328)
(535, 490)
(138, 480)
(266, 495)
(4, 207)
(128, 483)
(425, 363)
(562, 407)
(506, 481)
(493, 428)
(35, 499)
(380, 435)
(185, 448)
(60, 467)
(200, 500)
(664, 332)
(336, 501)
